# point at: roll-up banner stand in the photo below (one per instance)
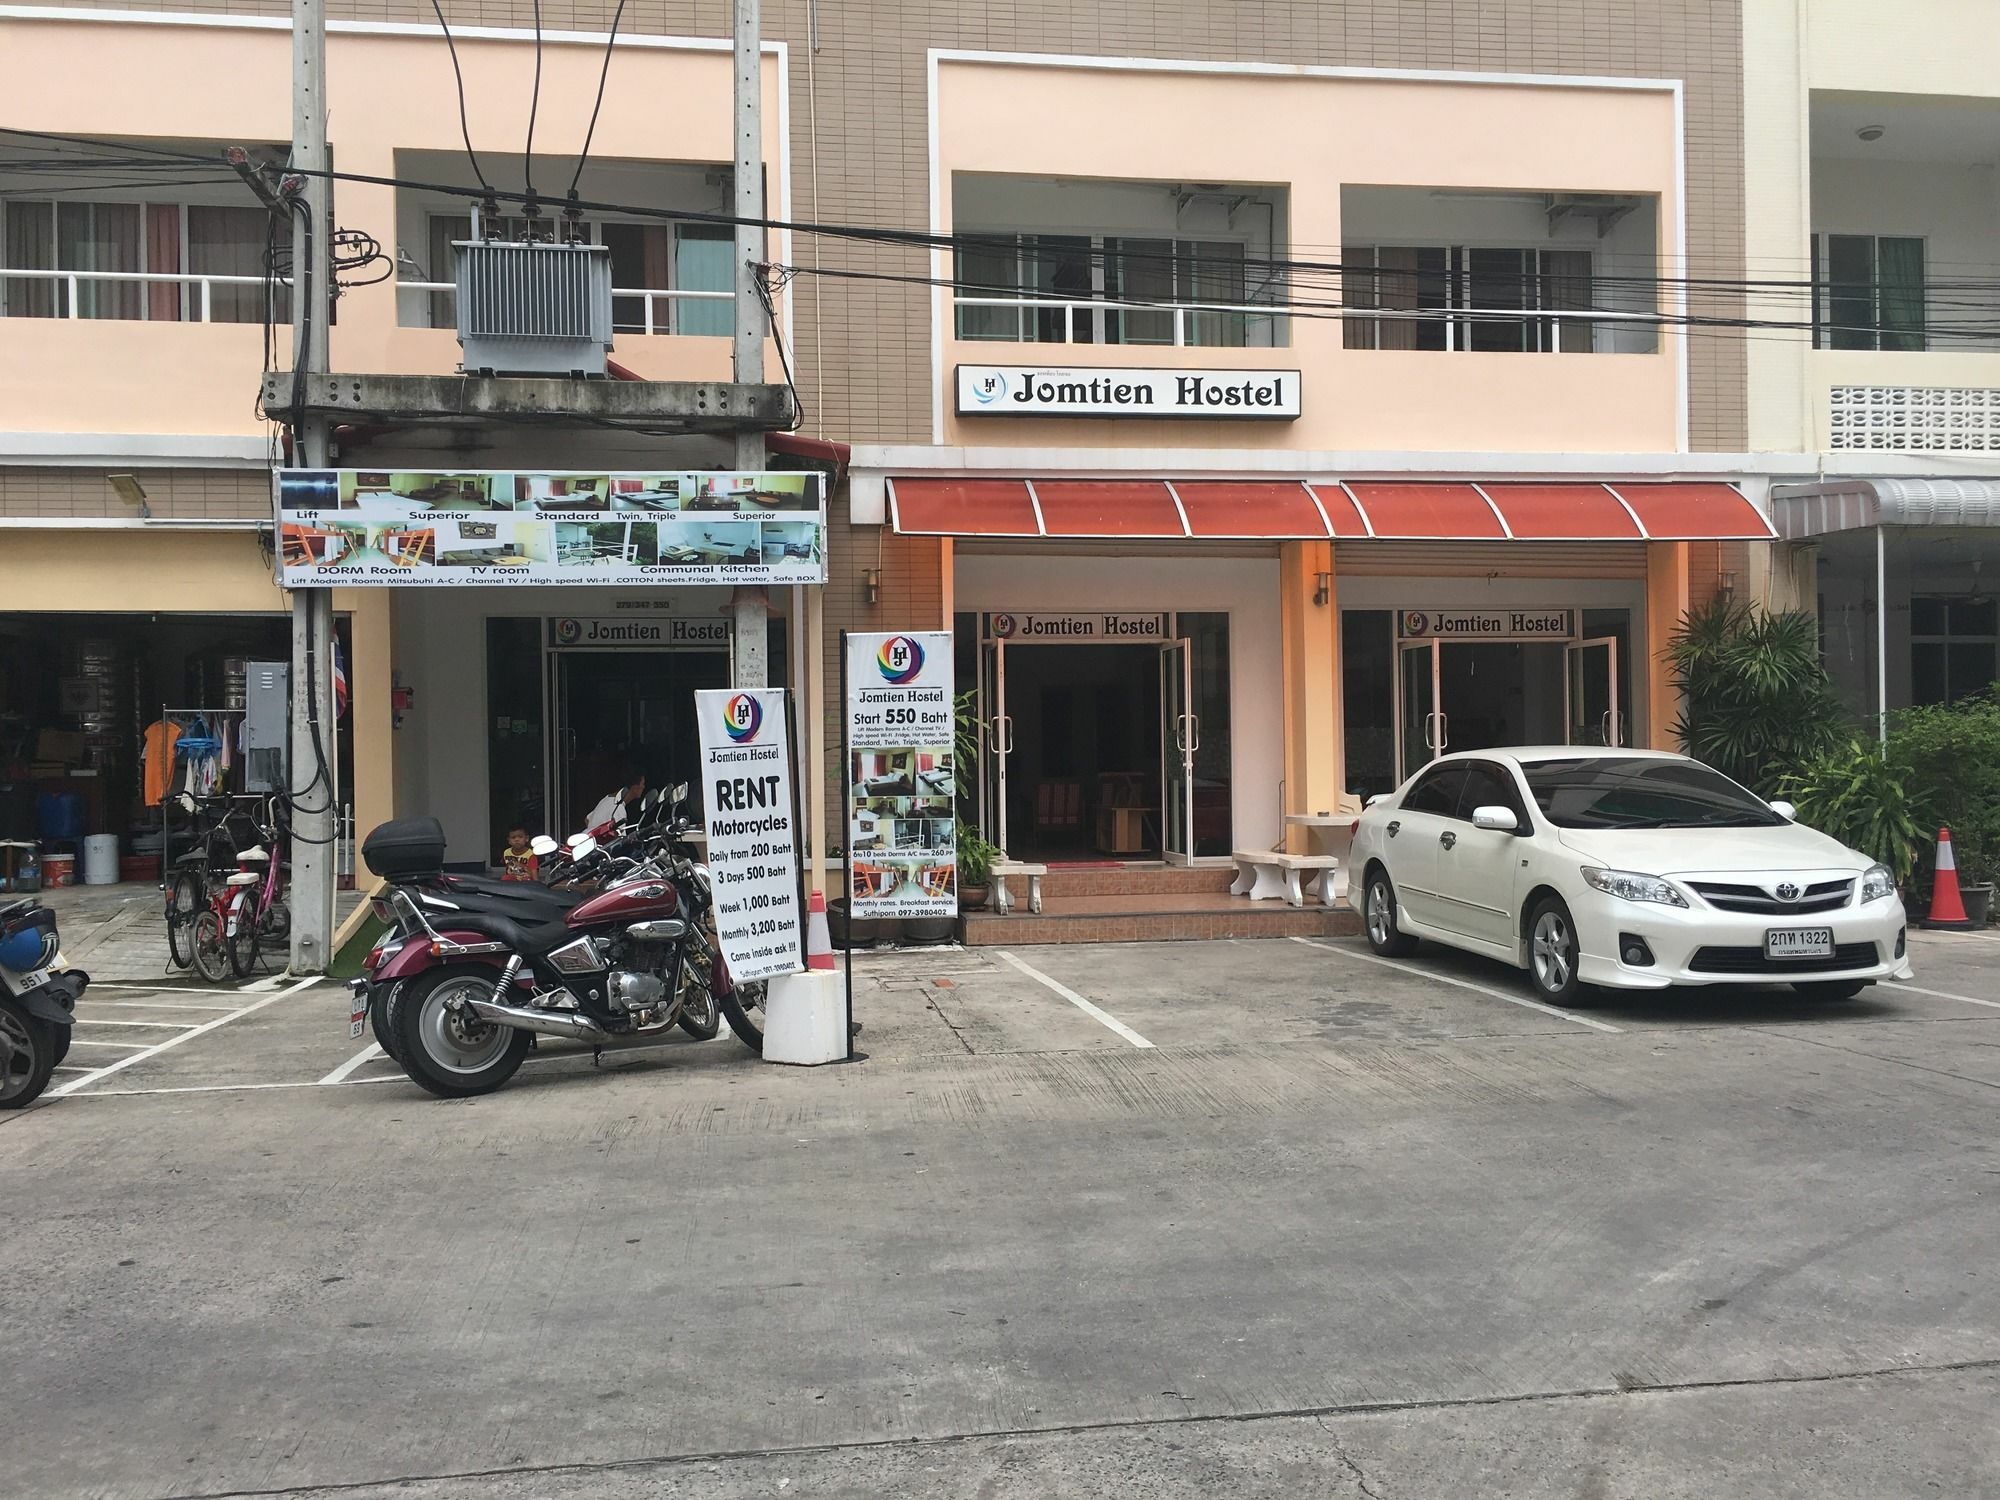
(751, 818)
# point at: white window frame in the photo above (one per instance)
(1458, 294)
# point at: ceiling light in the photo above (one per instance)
(1871, 132)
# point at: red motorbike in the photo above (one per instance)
(476, 969)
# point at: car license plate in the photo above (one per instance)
(1798, 942)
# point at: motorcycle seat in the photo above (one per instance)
(528, 936)
(527, 893)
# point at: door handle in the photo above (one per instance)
(1393, 826)
(1447, 838)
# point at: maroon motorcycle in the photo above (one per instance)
(475, 969)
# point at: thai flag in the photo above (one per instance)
(339, 683)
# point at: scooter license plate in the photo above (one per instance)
(1798, 942)
(357, 1015)
(34, 979)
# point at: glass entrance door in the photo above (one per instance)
(996, 741)
(1591, 693)
(1180, 737)
(1420, 726)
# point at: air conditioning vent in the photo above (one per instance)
(533, 309)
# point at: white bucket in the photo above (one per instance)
(100, 859)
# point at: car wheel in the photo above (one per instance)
(1553, 951)
(1830, 989)
(1379, 914)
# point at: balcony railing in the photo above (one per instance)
(1271, 315)
(662, 309)
(68, 300)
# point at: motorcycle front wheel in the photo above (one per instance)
(27, 1055)
(444, 1047)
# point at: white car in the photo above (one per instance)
(1630, 869)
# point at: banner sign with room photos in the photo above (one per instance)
(467, 528)
(902, 819)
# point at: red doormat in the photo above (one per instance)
(1087, 864)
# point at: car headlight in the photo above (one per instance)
(1876, 882)
(1628, 886)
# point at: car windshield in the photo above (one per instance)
(1626, 792)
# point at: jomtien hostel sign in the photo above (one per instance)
(1092, 391)
(1486, 624)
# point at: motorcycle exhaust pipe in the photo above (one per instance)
(574, 1025)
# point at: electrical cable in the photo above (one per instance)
(603, 74)
(765, 286)
(464, 125)
(534, 106)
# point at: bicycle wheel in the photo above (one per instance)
(243, 943)
(183, 901)
(211, 956)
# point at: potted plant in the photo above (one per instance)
(975, 868)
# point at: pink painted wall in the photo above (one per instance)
(386, 93)
(1311, 135)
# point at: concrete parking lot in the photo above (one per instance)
(1270, 1218)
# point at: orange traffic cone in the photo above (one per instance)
(819, 942)
(1947, 906)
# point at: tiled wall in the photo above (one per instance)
(860, 109)
(172, 494)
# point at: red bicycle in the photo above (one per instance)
(258, 916)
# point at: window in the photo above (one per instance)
(704, 261)
(1952, 648)
(134, 240)
(1437, 791)
(1449, 294)
(1608, 791)
(1489, 785)
(1087, 269)
(1868, 292)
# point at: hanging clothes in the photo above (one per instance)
(158, 757)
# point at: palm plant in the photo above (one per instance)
(1757, 702)
(1859, 794)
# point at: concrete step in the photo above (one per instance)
(1154, 918)
(1126, 880)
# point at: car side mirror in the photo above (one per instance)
(1378, 797)
(1499, 819)
(1786, 811)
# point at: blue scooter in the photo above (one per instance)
(38, 998)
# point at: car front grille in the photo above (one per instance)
(1825, 895)
(1748, 960)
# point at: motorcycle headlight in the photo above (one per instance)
(1877, 882)
(1629, 886)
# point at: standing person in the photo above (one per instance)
(619, 806)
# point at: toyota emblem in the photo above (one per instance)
(1788, 892)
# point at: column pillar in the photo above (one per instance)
(1311, 664)
(1666, 606)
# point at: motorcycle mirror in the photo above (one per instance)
(681, 792)
(576, 839)
(543, 846)
(583, 847)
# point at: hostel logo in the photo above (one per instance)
(988, 388)
(900, 659)
(1416, 622)
(742, 716)
(1003, 626)
(568, 632)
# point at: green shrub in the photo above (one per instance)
(1952, 758)
(975, 857)
(1859, 794)
(1758, 704)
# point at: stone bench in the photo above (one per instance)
(1002, 868)
(1262, 874)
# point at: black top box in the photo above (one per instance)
(405, 849)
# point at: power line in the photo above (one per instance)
(534, 107)
(464, 125)
(597, 104)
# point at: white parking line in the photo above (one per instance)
(230, 1088)
(106, 1021)
(1464, 984)
(1939, 994)
(87, 1041)
(158, 1004)
(1077, 1000)
(175, 1041)
(339, 1074)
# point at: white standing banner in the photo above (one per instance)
(753, 843)
(902, 780)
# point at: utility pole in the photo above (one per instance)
(313, 786)
(751, 665)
